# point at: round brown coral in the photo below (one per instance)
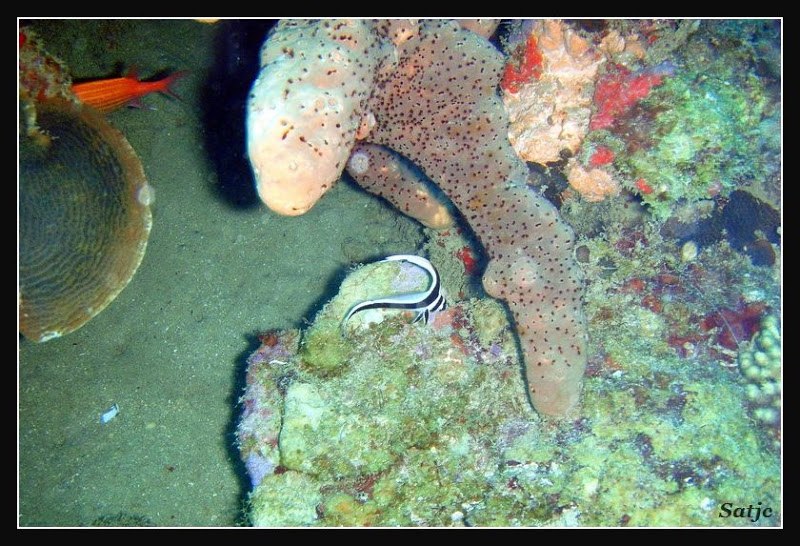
(84, 219)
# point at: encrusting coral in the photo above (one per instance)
(594, 184)
(426, 90)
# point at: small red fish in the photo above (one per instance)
(110, 94)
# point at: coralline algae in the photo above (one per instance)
(427, 90)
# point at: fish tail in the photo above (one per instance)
(166, 84)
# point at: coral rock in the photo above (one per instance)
(552, 113)
(594, 185)
(335, 447)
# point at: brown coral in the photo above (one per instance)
(84, 219)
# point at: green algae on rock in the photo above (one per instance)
(711, 127)
(429, 425)
(325, 344)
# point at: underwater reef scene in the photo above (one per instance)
(600, 203)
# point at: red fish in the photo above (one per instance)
(110, 94)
